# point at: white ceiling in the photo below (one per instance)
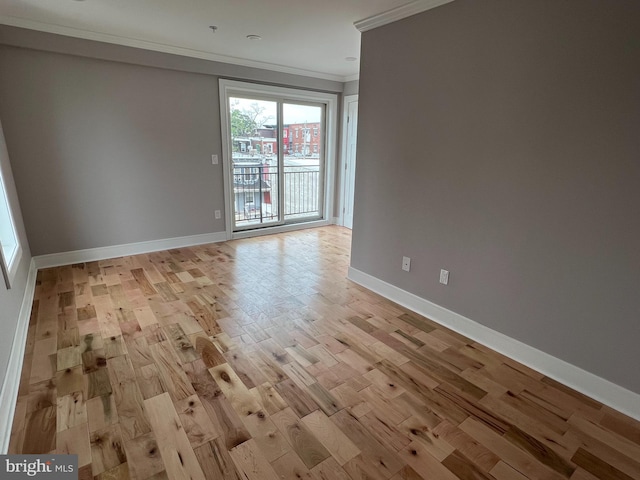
(309, 37)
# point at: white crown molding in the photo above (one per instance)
(9, 393)
(599, 389)
(103, 253)
(160, 47)
(351, 78)
(398, 13)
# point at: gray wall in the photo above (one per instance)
(11, 300)
(507, 152)
(113, 152)
(106, 153)
(350, 88)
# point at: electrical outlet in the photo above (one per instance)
(406, 264)
(214, 159)
(218, 214)
(444, 277)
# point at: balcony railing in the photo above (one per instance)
(256, 190)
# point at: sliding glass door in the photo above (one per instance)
(277, 148)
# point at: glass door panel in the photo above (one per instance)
(303, 161)
(256, 165)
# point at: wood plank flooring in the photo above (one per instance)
(258, 359)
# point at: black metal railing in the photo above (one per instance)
(256, 192)
(301, 191)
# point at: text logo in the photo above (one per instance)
(39, 467)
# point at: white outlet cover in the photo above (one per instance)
(214, 159)
(444, 277)
(218, 214)
(406, 264)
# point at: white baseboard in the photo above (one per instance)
(599, 389)
(9, 393)
(103, 253)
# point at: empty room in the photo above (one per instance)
(353, 240)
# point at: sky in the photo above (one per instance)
(292, 113)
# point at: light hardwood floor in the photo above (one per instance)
(258, 359)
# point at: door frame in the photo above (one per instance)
(344, 151)
(229, 88)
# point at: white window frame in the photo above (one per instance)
(229, 88)
(11, 250)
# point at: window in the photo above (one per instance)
(11, 250)
(315, 131)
